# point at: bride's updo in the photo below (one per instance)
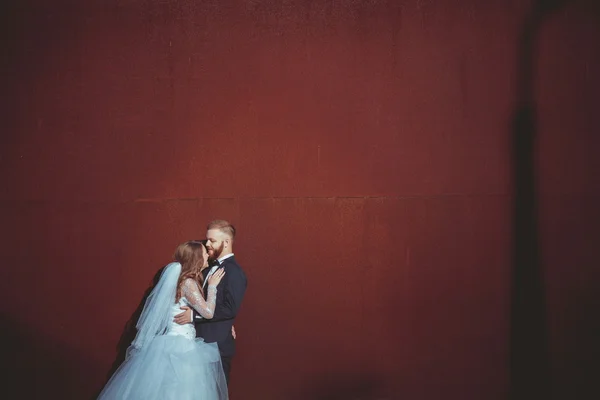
(190, 256)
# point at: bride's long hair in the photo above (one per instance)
(190, 256)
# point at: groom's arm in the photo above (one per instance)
(234, 288)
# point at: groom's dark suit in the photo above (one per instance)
(230, 293)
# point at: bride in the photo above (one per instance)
(166, 360)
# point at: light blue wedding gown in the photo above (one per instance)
(174, 365)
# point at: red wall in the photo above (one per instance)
(362, 149)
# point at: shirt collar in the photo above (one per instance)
(225, 257)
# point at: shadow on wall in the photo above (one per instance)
(584, 368)
(346, 387)
(34, 36)
(529, 361)
(34, 367)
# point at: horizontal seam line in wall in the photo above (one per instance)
(187, 199)
(316, 197)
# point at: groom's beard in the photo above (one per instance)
(216, 253)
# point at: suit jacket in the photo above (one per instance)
(230, 293)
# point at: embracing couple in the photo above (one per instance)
(186, 340)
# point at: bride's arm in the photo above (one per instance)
(191, 291)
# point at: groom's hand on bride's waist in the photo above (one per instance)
(184, 317)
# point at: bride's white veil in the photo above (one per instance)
(156, 315)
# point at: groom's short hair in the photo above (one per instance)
(223, 226)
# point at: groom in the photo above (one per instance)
(230, 292)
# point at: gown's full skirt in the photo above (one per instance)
(171, 367)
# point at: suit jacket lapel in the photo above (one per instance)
(204, 275)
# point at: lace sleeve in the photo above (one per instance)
(191, 291)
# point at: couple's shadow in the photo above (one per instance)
(130, 329)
